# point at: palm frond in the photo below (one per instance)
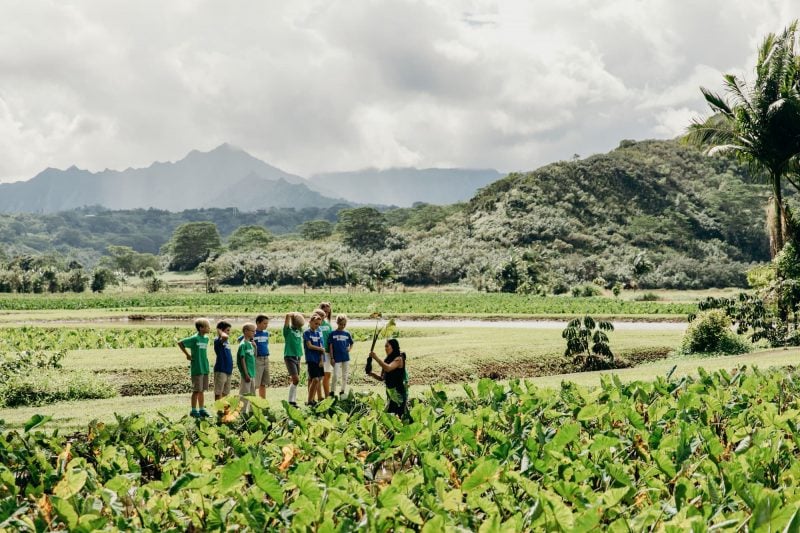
(725, 149)
(716, 102)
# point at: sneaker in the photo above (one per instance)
(293, 404)
(194, 413)
(331, 394)
(203, 413)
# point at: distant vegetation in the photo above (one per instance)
(652, 214)
(647, 215)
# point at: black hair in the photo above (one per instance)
(395, 346)
(261, 318)
(223, 325)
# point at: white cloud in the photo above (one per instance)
(315, 85)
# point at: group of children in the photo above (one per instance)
(326, 351)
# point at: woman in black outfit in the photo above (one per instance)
(393, 373)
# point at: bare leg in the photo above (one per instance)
(326, 383)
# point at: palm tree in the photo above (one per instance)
(760, 124)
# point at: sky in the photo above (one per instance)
(325, 85)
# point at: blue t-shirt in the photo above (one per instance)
(224, 362)
(262, 343)
(315, 337)
(339, 342)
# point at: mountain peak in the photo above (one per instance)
(227, 147)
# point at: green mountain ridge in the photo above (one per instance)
(696, 221)
(686, 210)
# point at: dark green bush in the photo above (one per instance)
(646, 297)
(710, 332)
(586, 291)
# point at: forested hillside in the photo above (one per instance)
(648, 214)
(693, 215)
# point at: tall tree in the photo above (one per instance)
(760, 123)
(315, 229)
(363, 228)
(191, 244)
(250, 238)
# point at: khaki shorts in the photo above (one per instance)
(222, 383)
(246, 389)
(262, 371)
(292, 365)
(200, 383)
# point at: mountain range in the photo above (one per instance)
(230, 177)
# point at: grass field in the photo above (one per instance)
(152, 375)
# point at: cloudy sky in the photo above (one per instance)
(323, 85)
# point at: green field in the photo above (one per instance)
(429, 304)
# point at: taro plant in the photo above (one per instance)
(587, 343)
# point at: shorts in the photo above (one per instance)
(315, 371)
(327, 367)
(222, 383)
(200, 383)
(292, 365)
(247, 389)
(262, 372)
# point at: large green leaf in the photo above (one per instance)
(71, 484)
(485, 470)
(65, 511)
(182, 481)
(232, 473)
(590, 412)
(36, 421)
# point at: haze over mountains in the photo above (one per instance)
(404, 186)
(230, 177)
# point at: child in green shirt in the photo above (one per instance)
(293, 350)
(246, 361)
(198, 356)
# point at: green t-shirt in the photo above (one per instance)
(198, 346)
(248, 352)
(293, 342)
(325, 329)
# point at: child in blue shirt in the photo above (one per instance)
(312, 342)
(262, 354)
(339, 344)
(223, 366)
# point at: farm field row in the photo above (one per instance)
(392, 304)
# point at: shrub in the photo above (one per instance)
(49, 386)
(647, 297)
(617, 289)
(762, 276)
(25, 362)
(560, 287)
(587, 343)
(710, 332)
(586, 291)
